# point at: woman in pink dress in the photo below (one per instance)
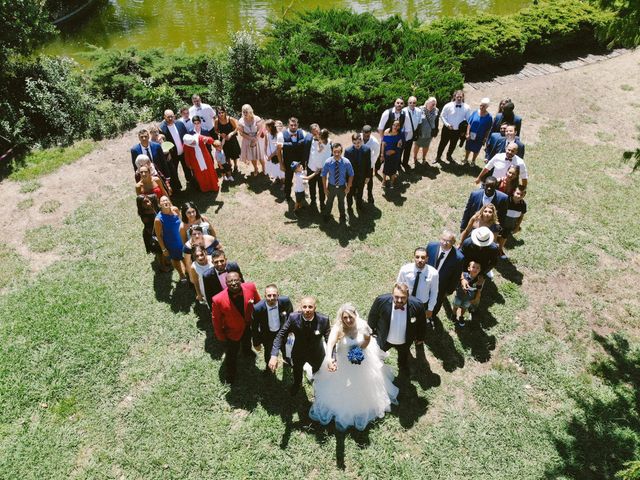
(250, 130)
(199, 159)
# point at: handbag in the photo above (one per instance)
(274, 159)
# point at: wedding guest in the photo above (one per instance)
(144, 161)
(356, 387)
(467, 296)
(197, 238)
(221, 159)
(320, 152)
(428, 129)
(185, 119)
(191, 217)
(214, 279)
(478, 129)
(293, 149)
(226, 128)
(199, 159)
(422, 280)
(486, 194)
(374, 145)
(250, 130)
(453, 114)
(273, 154)
(480, 247)
(148, 208)
(152, 150)
(205, 112)
(149, 184)
(510, 181)
(497, 142)
(337, 177)
(269, 316)
(311, 330)
(155, 135)
(231, 312)
(487, 216)
(299, 179)
(507, 115)
(167, 229)
(515, 214)
(501, 163)
(447, 260)
(392, 145)
(202, 264)
(174, 132)
(360, 158)
(397, 321)
(411, 130)
(388, 117)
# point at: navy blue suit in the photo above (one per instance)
(361, 162)
(175, 158)
(449, 273)
(262, 334)
(157, 157)
(498, 144)
(500, 200)
(293, 151)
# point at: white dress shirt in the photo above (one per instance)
(176, 137)
(385, 117)
(453, 116)
(411, 115)
(501, 165)
(398, 326)
(274, 317)
(487, 200)
(319, 154)
(374, 146)
(206, 113)
(427, 291)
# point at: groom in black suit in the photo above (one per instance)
(311, 330)
(397, 320)
(269, 315)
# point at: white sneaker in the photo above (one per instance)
(230, 178)
(489, 274)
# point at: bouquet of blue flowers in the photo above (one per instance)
(355, 355)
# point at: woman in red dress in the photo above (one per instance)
(199, 159)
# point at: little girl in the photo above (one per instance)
(299, 179)
(221, 158)
(467, 296)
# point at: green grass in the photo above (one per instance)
(106, 369)
(49, 206)
(40, 162)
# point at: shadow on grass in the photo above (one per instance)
(179, 296)
(460, 169)
(604, 431)
(510, 272)
(211, 345)
(442, 347)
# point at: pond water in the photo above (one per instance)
(200, 24)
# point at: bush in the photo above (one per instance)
(560, 24)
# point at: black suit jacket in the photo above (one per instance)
(309, 346)
(500, 200)
(182, 131)
(361, 163)
(449, 273)
(260, 320)
(211, 281)
(380, 319)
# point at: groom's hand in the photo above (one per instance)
(273, 363)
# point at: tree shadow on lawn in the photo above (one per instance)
(604, 430)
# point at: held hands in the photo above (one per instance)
(273, 363)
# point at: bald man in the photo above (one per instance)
(311, 330)
(174, 132)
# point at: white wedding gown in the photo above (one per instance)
(354, 394)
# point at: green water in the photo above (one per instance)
(207, 24)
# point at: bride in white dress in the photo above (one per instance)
(352, 394)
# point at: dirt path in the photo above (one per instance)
(597, 103)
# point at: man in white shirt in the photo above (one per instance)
(391, 115)
(413, 116)
(422, 280)
(174, 132)
(374, 145)
(185, 119)
(501, 163)
(318, 154)
(206, 113)
(452, 115)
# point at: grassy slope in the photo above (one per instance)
(41, 162)
(105, 369)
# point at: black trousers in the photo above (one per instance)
(356, 191)
(232, 349)
(298, 363)
(316, 184)
(333, 193)
(288, 180)
(267, 345)
(406, 152)
(450, 137)
(403, 353)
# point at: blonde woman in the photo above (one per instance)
(487, 216)
(251, 132)
(356, 386)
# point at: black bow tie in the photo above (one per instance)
(458, 106)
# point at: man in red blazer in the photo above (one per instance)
(231, 312)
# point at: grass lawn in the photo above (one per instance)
(109, 370)
(41, 162)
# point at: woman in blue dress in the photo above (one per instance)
(167, 229)
(392, 141)
(478, 130)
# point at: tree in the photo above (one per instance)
(24, 24)
(624, 29)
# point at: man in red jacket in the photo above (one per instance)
(231, 312)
